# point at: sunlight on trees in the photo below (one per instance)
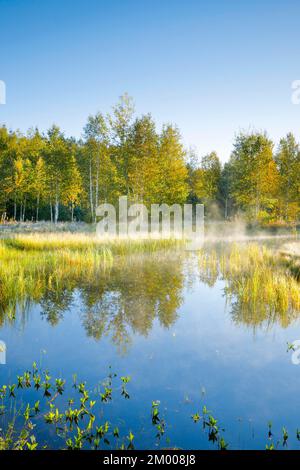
(52, 177)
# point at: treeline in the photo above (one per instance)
(52, 177)
(260, 182)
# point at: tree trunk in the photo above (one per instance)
(97, 191)
(37, 208)
(226, 209)
(51, 214)
(15, 210)
(56, 210)
(91, 191)
(24, 210)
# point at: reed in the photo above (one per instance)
(258, 283)
(84, 242)
(31, 265)
(290, 253)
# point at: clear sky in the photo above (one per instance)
(212, 67)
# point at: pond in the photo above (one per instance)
(182, 335)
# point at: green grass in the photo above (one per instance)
(30, 265)
(259, 284)
(86, 243)
(290, 253)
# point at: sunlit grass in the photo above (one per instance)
(290, 253)
(258, 284)
(30, 265)
(85, 242)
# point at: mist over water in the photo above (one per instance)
(170, 322)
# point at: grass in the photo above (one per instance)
(290, 253)
(259, 284)
(47, 227)
(31, 265)
(86, 243)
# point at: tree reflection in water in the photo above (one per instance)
(126, 297)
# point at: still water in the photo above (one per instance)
(158, 319)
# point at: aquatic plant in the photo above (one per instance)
(75, 424)
(39, 411)
(290, 255)
(258, 285)
(32, 266)
(210, 423)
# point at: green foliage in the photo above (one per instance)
(258, 284)
(206, 179)
(76, 426)
(52, 177)
(288, 163)
(79, 422)
(255, 177)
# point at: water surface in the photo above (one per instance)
(162, 321)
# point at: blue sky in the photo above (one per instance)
(211, 67)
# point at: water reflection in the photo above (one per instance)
(259, 285)
(118, 301)
(167, 313)
(131, 296)
(126, 298)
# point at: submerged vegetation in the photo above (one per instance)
(49, 420)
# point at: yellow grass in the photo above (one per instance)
(258, 284)
(32, 264)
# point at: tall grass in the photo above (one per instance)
(30, 265)
(258, 283)
(85, 242)
(290, 253)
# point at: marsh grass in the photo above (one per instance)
(259, 285)
(85, 242)
(290, 253)
(259, 281)
(30, 265)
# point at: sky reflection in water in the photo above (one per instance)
(158, 321)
